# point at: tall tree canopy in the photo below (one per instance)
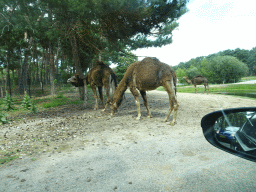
(40, 36)
(209, 66)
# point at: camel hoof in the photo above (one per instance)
(149, 116)
(103, 110)
(138, 118)
(172, 123)
(165, 120)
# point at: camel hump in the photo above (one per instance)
(100, 65)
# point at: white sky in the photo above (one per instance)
(210, 26)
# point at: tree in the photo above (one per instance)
(123, 63)
(204, 69)
(251, 61)
(226, 69)
(192, 71)
(180, 74)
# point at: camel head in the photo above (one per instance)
(115, 103)
(113, 108)
(187, 79)
(117, 100)
(76, 81)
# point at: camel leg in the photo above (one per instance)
(137, 101)
(101, 96)
(108, 96)
(95, 97)
(207, 89)
(169, 87)
(144, 96)
(195, 89)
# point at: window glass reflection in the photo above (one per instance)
(237, 131)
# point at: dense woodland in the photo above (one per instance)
(44, 42)
(227, 66)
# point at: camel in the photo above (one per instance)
(198, 80)
(100, 75)
(143, 76)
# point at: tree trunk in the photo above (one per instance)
(24, 70)
(78, 66)
(8, 78)
(52, 70)
(100, 56)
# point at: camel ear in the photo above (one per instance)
(114, 104)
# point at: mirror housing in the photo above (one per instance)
(231, 140)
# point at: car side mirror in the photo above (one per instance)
(232, 130)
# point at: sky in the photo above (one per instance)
(210, 26)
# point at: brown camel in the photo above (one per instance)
(143, 76)
(198, 80)
(100, 75)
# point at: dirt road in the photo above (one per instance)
(72, 149)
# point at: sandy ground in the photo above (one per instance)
(70, 128)
(72, 149)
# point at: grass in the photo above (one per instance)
(248, 78)
(43, 102)
(226, 89)
(55, 102)
(8, 157)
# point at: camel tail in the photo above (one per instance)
(113, 79)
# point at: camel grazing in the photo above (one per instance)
(198, 80)
(143, 76)
(100, 75)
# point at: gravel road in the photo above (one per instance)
(99, 153)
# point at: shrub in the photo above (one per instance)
(3, 119)
(8, 102)
(26, 103)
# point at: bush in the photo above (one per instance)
(8, 102)
(3, 118)
(226, 69)
(28, 104)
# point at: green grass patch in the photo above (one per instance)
(56, 101)
(248, 78)
(8, 158)
(237, 90)
(240, 88)
(77, 102)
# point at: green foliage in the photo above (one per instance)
(33, 107)
(123, 63)
(226, 69)
(192, 71)
(8, 157)
(216, 68)
(3, 119)
(204, 69)
(251, 61)
(7, 102)
(26, 103)
(55, 82)
(248, 57)
(180, 74)
(57, 101)
(231, 89)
